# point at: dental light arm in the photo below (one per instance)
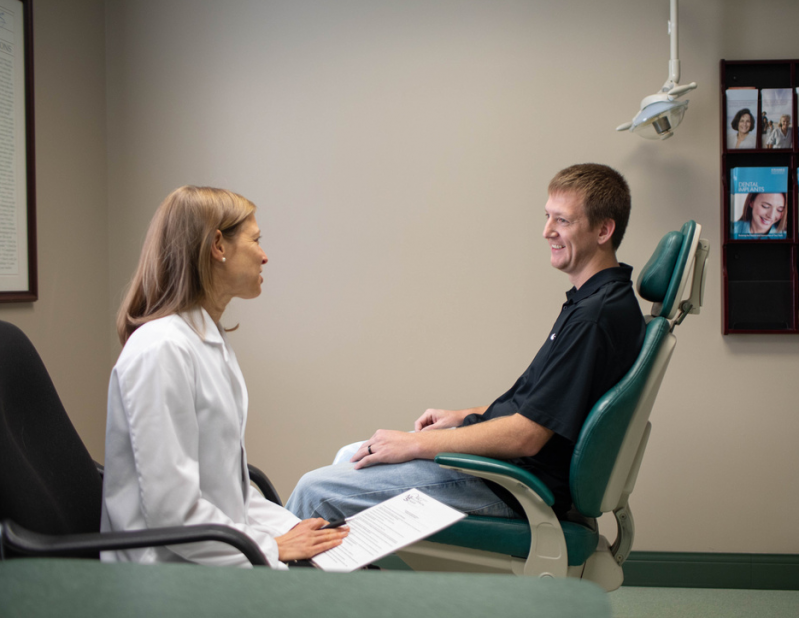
(661, 113)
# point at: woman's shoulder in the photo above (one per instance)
(156, 337)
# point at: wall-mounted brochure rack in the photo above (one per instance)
(759, 160)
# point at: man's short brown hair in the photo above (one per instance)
(604, 191)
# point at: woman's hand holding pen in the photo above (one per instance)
(307, 539)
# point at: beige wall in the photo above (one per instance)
(399, 153)
(69, 323)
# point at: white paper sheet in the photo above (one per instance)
(387, 527)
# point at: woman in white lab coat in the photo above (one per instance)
(177, 402)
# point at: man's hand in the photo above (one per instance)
(386, 447)
(305, 540)
(443, 419)
(507, 437)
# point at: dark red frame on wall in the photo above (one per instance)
(759, 277)
(32, 291)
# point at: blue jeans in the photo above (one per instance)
(339, 490)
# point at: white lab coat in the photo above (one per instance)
(177, 409)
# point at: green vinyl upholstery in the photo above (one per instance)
(655, 277)
(512, 537)
(602, 434)
(508, 536)
(486, 464)
(660, 285)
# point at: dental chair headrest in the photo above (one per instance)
(663, 279)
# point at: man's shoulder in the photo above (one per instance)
(614, 310)
(612, 299)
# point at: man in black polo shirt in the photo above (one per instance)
(594, 342)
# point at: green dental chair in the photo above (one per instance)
(606, 458)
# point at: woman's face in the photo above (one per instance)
(784, 125)
(244, 258)
(745, 124)
(767, 210)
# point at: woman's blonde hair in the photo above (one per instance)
(174, 272)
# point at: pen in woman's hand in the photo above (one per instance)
(336, 523)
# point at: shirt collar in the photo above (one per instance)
(202, 323)
(622, 272)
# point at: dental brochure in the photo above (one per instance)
(386, 527)
(758, 203)
(775, 117)
(742, 122)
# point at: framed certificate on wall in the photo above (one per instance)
(18, 272)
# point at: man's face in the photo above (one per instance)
(572, 242)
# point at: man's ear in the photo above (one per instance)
(217, 247)
(606, 229)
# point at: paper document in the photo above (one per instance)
(387, 527)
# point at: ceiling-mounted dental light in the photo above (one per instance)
(661, 113)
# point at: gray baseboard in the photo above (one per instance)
(700, 570)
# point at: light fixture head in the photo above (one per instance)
(659, 117)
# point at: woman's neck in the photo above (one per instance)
(215, 308)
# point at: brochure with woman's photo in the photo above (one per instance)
(796, 137)
(741, 118)
(776, 106)
(759, 203)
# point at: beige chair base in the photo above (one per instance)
(600, 568)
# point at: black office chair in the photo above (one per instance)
(50, 489)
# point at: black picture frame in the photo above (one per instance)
(19, 288)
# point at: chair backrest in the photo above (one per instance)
(48, 481)
(677, 257)
(610, 447)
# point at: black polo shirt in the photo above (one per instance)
(594, 342)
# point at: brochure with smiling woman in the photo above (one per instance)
(742, 122)
(759, 203)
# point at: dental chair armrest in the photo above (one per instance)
(474, 464)
(547, 555)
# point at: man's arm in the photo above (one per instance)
(434, 418)
(507, 437)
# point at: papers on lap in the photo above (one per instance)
(387, 527)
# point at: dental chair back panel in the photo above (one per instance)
(609, 423)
